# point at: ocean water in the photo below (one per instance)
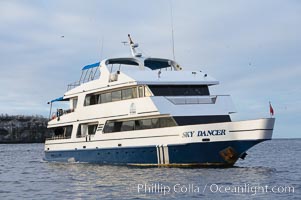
(272, 170)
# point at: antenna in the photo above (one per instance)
(172, 31)
(101, 52)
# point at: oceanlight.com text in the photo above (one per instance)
(164, 189)
(249, 189)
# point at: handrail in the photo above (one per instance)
(61, 112)
(73, 85)
(87, 75)
(183, 100)
(58, 137)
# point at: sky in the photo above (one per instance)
(252, 47)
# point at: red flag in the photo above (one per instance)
(271, 109)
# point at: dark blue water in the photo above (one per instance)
(271, 170)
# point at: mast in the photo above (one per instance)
(133, 47)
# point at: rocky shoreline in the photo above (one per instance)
(23, 129)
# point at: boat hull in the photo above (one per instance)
(211, 154)
(217, 145)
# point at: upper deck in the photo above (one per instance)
(116, 72)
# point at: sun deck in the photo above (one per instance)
(89, 73)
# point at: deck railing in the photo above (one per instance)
(58, 137)
(73, 85)
(60, 112)
(178, 100)
(87, 75)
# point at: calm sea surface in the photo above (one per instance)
(272, 170)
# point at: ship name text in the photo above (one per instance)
(204, 133)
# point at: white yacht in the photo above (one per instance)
(146, 111)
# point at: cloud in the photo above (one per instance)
(13, 12)
(251, 47)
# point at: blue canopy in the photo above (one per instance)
(156, 63)
(91, 66)
(57, 99)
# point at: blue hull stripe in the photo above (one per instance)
(192, 153)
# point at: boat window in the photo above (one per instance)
(63, 132)
(94, 99)
(68, 131)
(59, 131)
(134, 92)
(166, 122)
(146, 123)
(91, 99)
(99, 99)
(86, 129)
(109, 127)
(206, 119)
(117, 126)
(147, 92)
(141, 91)
(139, 124)
(127, 93)
(155, 123)
(81, 130)
(127, 126)
(74, 103)
(87, 100)
(106, 97)
(116, 95)
(92, 129)
(179, 90)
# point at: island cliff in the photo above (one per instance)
(23, 129)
